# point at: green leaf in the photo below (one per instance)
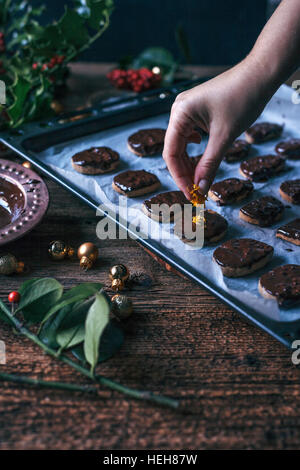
(155, 56)
(97, 319)
(20, 90)
(73, 29)
(71, 336)
(3, 311)
(77, 293)
(111, 341)
(37, 297)
(49, 329)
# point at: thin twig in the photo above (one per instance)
(21, 379)
(137, 394)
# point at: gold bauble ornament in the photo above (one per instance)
(118, 275)
(20, 267)
(8, 264)
(121, 306)
(87, 253)
(57, 106)
(59, 250)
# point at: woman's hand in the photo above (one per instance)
(223, 107)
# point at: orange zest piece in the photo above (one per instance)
(197, 199)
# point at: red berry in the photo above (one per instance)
(35, 66)
(60, 59)
(14, 297)
(44, 67)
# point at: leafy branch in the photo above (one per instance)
(34, 59)
(75, 322)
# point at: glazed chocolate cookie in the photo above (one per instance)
(133, 183)
(290, 191)
(239, 150)
(262, 168)
(170, 198)
(230, 190)
(147, 142)
(281, 284)
(263, 131)
(290, 232)
(95, 161)
(264, 211)
(215, 228)
(289, 149)
(241, 256)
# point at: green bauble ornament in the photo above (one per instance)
(121, 306)
(8, 264)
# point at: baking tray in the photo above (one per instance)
(31, 139)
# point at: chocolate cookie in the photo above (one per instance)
(147, 142)
(263, 131)
(95, 161)
(215, 227)
(134, 183)
(262, 168)
(171, 198)
(289, 149)
(263, 211)
(290, 232)
(241, 256)
(290, 191)
(230, 190)
(281, 284)
(238, 151)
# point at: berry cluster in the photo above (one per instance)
(2, 43)
(56, 60)
(2, 69)
(137, 80)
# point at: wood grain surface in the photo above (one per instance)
(239, 384)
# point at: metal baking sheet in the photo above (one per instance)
(50, 149)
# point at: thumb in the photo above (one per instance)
(208, 165)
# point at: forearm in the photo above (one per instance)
(276, 53)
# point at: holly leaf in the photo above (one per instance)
(73, 29)
(96, 321)
(37, 297)
(98, 11)
(20, 90)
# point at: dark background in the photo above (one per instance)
(219, 31)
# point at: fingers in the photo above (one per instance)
(180, 131)
(210, 161)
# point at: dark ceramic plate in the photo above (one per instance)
(24, 199)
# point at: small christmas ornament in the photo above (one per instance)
(118, 275)
(87, 253)
(121, 306)
(27, 165)
(59, 250)
(8, 264)
(20, 267)
(57, 106)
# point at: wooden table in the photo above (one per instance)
(240, 385)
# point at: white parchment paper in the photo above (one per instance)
(280, 110)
